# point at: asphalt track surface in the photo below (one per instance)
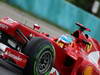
(7, 10)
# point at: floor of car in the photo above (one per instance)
(7, 69)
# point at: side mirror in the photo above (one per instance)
(36, 27)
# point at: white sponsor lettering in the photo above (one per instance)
(3, 26)
(14, 56)
(3, 47)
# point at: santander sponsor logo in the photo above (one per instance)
(13, 56)
(94, 57)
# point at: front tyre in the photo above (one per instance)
(41, 57)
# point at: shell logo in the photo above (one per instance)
(88, 70)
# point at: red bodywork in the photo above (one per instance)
(70, 58)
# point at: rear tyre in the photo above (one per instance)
(41, 57)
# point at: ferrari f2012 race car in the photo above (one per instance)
(36, 53)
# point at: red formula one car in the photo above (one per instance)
(36, 53)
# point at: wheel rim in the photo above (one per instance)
(44, 62)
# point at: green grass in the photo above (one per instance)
(3, 0)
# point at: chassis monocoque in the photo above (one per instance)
(35, 53)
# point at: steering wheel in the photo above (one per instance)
(82, 28)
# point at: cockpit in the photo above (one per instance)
(64, 40)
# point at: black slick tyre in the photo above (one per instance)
(41, 57)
